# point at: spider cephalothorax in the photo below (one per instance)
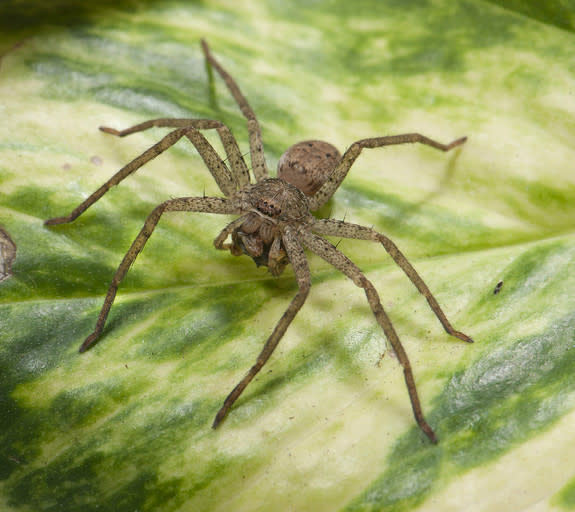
(275, 221)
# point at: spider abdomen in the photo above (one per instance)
(308, 164)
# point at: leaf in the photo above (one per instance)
(127, 426)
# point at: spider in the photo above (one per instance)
(275, 222)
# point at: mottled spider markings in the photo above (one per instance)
(275, 223)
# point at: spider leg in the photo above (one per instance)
(238, 166)
(227, 231)
(340, 172)
(255, 133)
(329, 253)
(164, 122)
(214, 163)
(343, 229)
(182, 204)
(301, 268)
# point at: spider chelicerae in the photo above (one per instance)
(275, 223)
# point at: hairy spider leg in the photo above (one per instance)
(212, 160)
(219, 241)
(259, 166)
(344, 229)
(300, 266)
(239, 169)
(183, 204)
(328, 252)
(335, 179)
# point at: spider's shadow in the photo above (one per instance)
(403, 211)
(212, 96)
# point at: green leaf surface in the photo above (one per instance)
(127, 426)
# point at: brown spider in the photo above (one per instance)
(274, 223)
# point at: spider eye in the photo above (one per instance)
(269, 208)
